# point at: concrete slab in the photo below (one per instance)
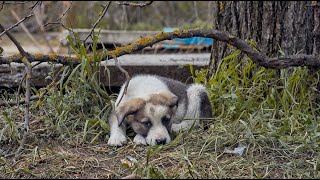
(168, 65)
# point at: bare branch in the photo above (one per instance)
(11, 3)
(26, 111)
(59, 19)
(18, 45)
(19, 89)
(25, 18)
(2, 4)
(135, 4)
(245, 47)
(12, 103)
(43, 32)
(20, 85)
(128, 78)
(104, 11)
(34, 97)
(8, 29)
(27, 31)
(33, 7)
(28, 68)
(14, 2)
(131, 176)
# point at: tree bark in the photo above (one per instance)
(289, 27)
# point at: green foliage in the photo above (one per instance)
(273, 112)
(78, 106)
(281, 104)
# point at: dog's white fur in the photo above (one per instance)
(143, 87)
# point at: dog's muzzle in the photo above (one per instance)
(161, 141)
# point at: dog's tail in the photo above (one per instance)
(199, 104)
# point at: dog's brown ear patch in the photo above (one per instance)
(164, 98)
(129, 107)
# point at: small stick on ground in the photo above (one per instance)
(131, 176)
(135, 4)
(34, 97)
(28, 68)
(128, 78)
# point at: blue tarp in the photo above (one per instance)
(188, 41)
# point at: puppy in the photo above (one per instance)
(154, 106)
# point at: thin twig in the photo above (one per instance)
(27, 31)
(43, 32)
(254, 54)
(20, 85)
(33, 7)
(25, 18)
(34, 97)
(28, 68)
(18, 45)
(135, 4)
(128, 78)
(26, 111)
(12, 103)
(2, 4)
(131, 176)
(16, 24)
(12, 3)
(19, 89)
(104, 11)
(58, 21)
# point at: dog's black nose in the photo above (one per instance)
(161, 141)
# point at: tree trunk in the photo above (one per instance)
(289, 27)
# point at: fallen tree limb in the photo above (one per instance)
(12, 103)
(24, 56)
(256, 56)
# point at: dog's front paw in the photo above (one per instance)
(117, 140)
(138, 139)
(175, 128)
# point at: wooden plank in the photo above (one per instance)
(168, 65)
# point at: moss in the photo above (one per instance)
(39, 56)
(162, 35)
(24, 60)
(16, 56)
(28, 76)
(52, 56)
(177, 32)
(185, 31)
(143, 41)
(232, 37)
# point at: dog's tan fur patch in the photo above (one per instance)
(129, 107)
(163, 98)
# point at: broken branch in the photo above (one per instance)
(135, 4)
(256, 56)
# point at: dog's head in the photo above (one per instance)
(150, 117)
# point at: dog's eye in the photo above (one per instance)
(165, 120)
(147, 124)
(173, 105)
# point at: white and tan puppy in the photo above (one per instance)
(154, 106)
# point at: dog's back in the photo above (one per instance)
(193, 100)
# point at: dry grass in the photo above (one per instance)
(275, 114)
(194, 154)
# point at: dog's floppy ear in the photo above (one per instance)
(165, 98)
(129, 107)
